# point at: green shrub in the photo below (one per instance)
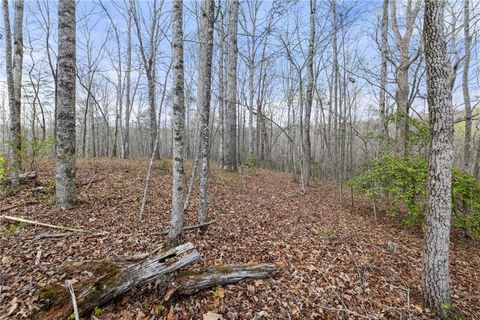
(253, 163)
(2, 169)
(401, 182)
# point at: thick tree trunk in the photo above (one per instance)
(307, 147)
(176, 224)
(65, 162)
(203, 99)
(231, 110)
(466, 91)
(435, 264)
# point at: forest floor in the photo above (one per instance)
(334, 261)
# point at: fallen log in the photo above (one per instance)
(116, 276)
(115, 282)
(188, 282)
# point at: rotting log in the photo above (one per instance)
(190, 282)
(115, 276)
(115, 282)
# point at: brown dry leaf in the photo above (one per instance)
(212, 316)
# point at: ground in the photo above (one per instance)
(334, 260)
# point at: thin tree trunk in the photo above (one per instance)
(17, 71)
(383, 80)
(204, 96)
(14, 164)
(231, 110)
(307, 147)
(435, 263)
(466, 91)
(176, 225)
(65, 165)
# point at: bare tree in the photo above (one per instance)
(205, 39)
(14, 84)
(149, 52)
(230, 163)
(383, 77)
(176, 225)
(307, 147)
(65, 161)
(465, 86)
(402, 43)
(435, 263)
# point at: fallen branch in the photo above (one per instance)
(69, 285)
(13, 206)
(92, 180)
(27, 175)
(36, 223)
(189, 228)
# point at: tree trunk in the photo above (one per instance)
(383, 80)
(435, 264)
(307, 147)
(14, 163)
(203, 99)
(231, 110)
(128, 76)
(466, 91)
(175, 235)
(65, 162)
(17, 71)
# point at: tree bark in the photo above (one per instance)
(203, 99)
(14, 75)
(65, 162)
(17, 69)
(307, 147)
(128, 75)
(466, 91)
(383, 79)
(231, 110)
(176, 224)
(435, 264)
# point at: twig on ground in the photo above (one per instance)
(7, 208)
(196, 226)
(74, 300)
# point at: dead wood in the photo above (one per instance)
(13, 206)
(36, 223)
(115, 282)
(27, 175)
(115, 276)
(189, 228)
(188, 282)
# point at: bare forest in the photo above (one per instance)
(239, 159)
